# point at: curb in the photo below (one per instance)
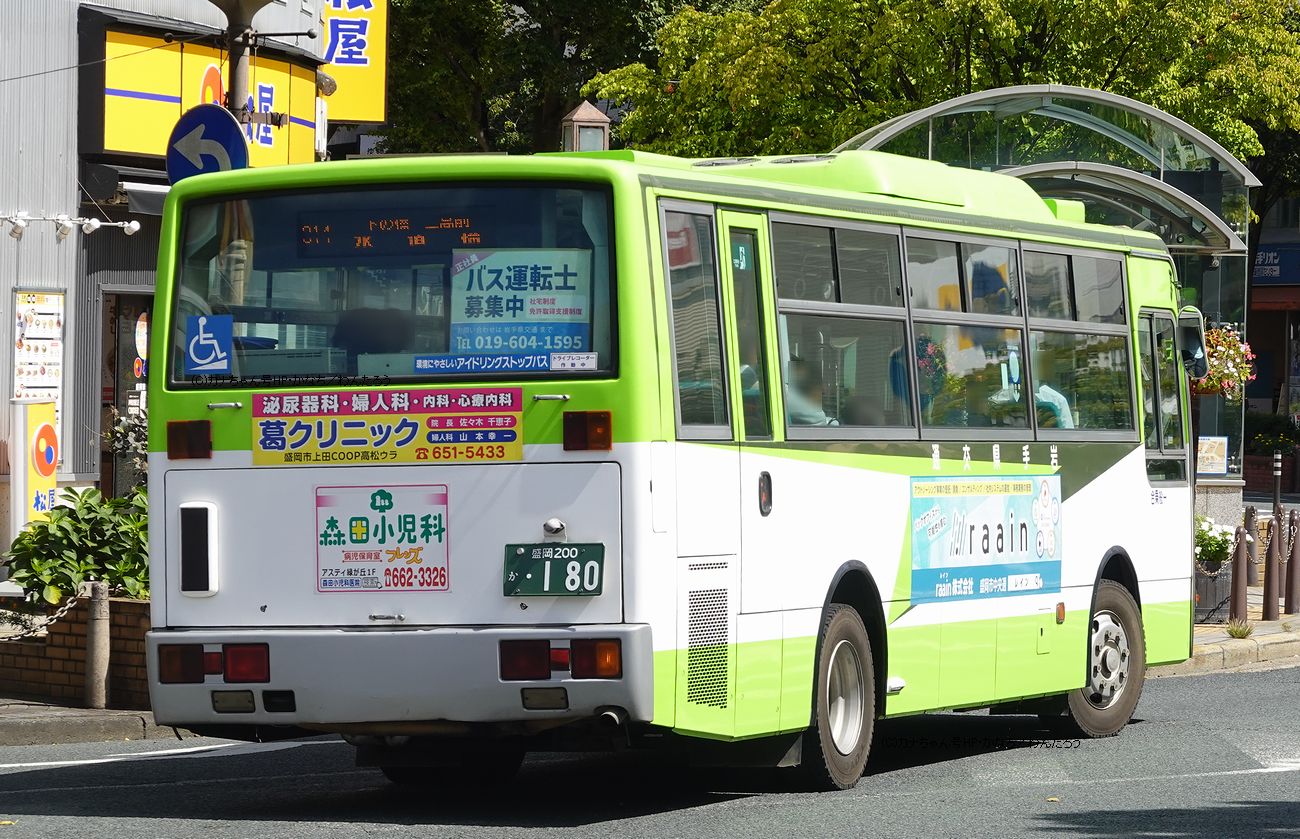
(75, 726)
(1208, 658)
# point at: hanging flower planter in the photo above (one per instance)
(1231, 365)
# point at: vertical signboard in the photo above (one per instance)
(356, 49)
(38, 348)
(34, 460)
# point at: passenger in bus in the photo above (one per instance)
(803, 401)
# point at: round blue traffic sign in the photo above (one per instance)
(207, 138)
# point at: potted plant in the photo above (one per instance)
(1212, 559)
(1231, 364)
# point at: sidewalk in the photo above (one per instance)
(24, 723)
(1213, 649)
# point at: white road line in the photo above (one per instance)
(215, 750)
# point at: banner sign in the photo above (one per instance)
(981, 537)
(382, 538)
(520, 305)
(356, 47)
(388, 426)
(34, 453)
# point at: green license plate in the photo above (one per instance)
(554, 568)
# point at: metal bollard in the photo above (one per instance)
(1240, 558)
(97, 647)
(1292, 604)
(1252, 567)
(1272, 569)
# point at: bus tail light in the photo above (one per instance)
(588, 431)
(189, 440)
(180, 664)
(597, 658)
(525, 661)
(246, 663)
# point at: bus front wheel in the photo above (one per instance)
(1116, 665)
(835, 749)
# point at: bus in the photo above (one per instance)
(462, 457)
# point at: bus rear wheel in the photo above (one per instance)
(1117, 665)
(835, 749)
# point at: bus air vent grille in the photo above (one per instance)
(707, 650)
(712, 565)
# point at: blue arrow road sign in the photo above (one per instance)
(207, 138)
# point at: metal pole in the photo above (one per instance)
(1277, 481)
(1252, 567)
(237, 99)
(1240, 558)
(97, 647)
(1292, 604)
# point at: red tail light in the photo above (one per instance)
(180, 664)
(247, 663)
(588, 431)
(597, 658)
(212, 664)
(525, 660)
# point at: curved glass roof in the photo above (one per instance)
(1011, 126)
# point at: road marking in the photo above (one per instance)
(215, 750)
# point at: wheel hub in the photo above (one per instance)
(1108, 668)
(844, 696)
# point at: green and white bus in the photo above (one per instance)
(460, 457)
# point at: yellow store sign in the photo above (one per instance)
(149, 83)
(356, 48)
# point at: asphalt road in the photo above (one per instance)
(1209, 756)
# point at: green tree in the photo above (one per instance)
(804, 75)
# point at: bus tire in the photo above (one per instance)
(835, 748)
(1117, 665)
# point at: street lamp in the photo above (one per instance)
(585, 129)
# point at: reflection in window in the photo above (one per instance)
(802, 258)
(933, 274)
(870, 271)
(1146, 369)
(1098, 289)
(991, 279)
(697, 338)
(748, 291)
(832, 369)
(970, 376)
(1047, 285)
(1081, 381)
(1170, 369)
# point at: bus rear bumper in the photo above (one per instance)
(378, 680)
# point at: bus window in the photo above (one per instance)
(1170, 370)
(1160, 368)
(748, 291)
(697, 330)
(1047, 285)
(1081, 381)
(833, 372)
(869, 269)
(991, 281)
(934, 274)
(805, 269)
(970, 376)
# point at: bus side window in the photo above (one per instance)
(697, 328)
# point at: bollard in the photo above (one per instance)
(97, 634)
(1240, 558)
(1252, 550)
(1272, 568)
(1292, 593)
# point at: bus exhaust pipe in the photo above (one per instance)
(611, 719)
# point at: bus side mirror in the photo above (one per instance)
(1191, 341)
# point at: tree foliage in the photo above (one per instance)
(803, 75)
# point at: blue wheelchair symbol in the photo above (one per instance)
(208, 342)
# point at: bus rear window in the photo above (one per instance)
(394, 284)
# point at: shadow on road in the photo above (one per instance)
(1240, 818)
(316, 782)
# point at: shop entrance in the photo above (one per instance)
(124, 382)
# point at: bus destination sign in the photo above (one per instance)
(345, 233)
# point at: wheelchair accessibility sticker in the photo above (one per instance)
(208, 342)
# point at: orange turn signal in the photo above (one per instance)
(588, 431)
(596, 658)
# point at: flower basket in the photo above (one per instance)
(1230, 363)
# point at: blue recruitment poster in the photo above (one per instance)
(517, 301)
(981, 537)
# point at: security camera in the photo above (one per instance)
(90, 226)
(131, 228)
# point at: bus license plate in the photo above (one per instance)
(554, 568)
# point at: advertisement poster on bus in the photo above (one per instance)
(388, 426)
(982, 537)
(516, 307)
(382, 538)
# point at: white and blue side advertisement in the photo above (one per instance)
(982, 537)
(518, 309)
